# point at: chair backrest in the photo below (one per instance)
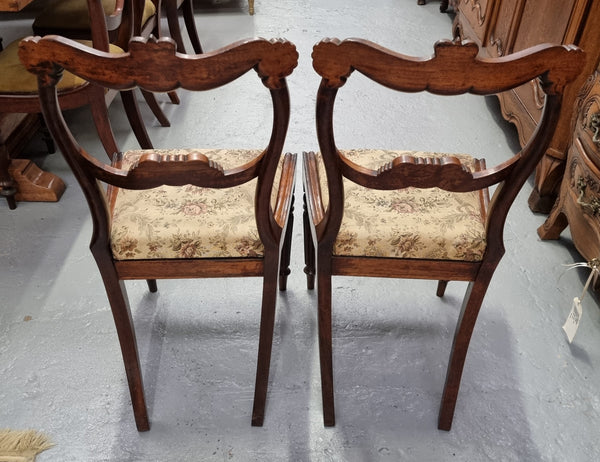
(454, 69)
(155, 66)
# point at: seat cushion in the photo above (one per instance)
(409, 223)
(14, 78)
(188, 221)
(73, 14)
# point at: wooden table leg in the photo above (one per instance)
(21, 179)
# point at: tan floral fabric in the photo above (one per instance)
(187, 221)
(408, 223)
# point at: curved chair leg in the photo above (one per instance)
(265, 342)
(325, 337)
(309, 249)
(155, 108)
(251, 7)
(286, 250)
(117, 297)
(462, 336)
(190, 24)
(135, 119)
(102, 122)
(173, 22)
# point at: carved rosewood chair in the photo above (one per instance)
(420, 215)
(19, 94)
(205, 212)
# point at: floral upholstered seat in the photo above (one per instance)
(408, 223)
(187, 221)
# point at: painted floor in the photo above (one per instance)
(526, 394)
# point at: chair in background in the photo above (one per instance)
(172, 8)
(19, 94)
(207, 212)
(125, 18)
(420, 215)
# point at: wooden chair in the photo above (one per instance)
(19, 94)
(125, 18)
(172, 8)
(447, 229)
(207, 212)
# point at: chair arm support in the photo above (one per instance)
(286, 189)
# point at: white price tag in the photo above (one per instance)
(572, 323)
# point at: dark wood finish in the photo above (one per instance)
(578, 204)
(172, 8)
(503, 27)
(454, 69)
(122, 23)
(144, 66)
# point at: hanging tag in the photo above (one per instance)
(572, 322)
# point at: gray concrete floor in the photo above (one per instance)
(526, 394)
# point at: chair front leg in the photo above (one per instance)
(117, 297)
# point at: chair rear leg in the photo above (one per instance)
(441, 288)
(190, 24)
(325, 339)
(152, 287)
(117, 297)
(460, 345)
(286, 250)
(265, 342)
(309, 249)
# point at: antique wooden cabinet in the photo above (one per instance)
(578, 204)
(502, 27)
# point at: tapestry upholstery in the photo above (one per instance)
(187, 222)
(408, 223)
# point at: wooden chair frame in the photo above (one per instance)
(144, 66)
(454, 69)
